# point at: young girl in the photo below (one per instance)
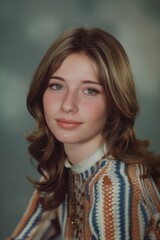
(98, 180)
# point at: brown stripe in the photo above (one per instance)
(27, 215)
(108, 208)
(135, 225)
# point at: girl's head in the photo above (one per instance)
(114, 74)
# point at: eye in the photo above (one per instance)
(56, 86)
(91, 91)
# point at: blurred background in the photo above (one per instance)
(27, 30)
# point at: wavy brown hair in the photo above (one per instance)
(116, 77)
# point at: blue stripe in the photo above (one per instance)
(151, 204)
(144, 215)
(82, 176)
(92, 169)
(103, 163)
(121, 197)
(35, 221)
(148, 238)
(86, 174)
(63, 212)
(94, 213)
(93, 238)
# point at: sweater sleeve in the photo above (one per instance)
(125, 205)
(36, 224)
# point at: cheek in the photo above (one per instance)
(46, 105)
(97, 112)
(49, 104)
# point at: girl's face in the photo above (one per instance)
(75, 102)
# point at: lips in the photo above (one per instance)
(68, 123)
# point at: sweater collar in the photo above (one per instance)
(87, 163)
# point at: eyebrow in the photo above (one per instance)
(84, 81)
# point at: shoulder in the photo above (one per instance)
(126, 182)
(122, 194)
(118, 176)
(116, 171)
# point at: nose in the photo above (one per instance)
(70, 102)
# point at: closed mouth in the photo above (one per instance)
(68, 123)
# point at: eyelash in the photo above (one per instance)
(92, 90)
(88, 91)
(57, 85)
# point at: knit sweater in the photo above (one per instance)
(113, 201)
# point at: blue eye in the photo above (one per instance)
(91, 91)
(56, 86)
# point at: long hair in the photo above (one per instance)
(116, 77)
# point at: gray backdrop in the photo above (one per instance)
(27, 30)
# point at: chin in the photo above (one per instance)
(66, 140)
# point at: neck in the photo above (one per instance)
(79, 151)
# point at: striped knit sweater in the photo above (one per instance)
(113, 201)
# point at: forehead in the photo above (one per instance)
(78, 64)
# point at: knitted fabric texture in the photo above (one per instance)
(113, 201)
